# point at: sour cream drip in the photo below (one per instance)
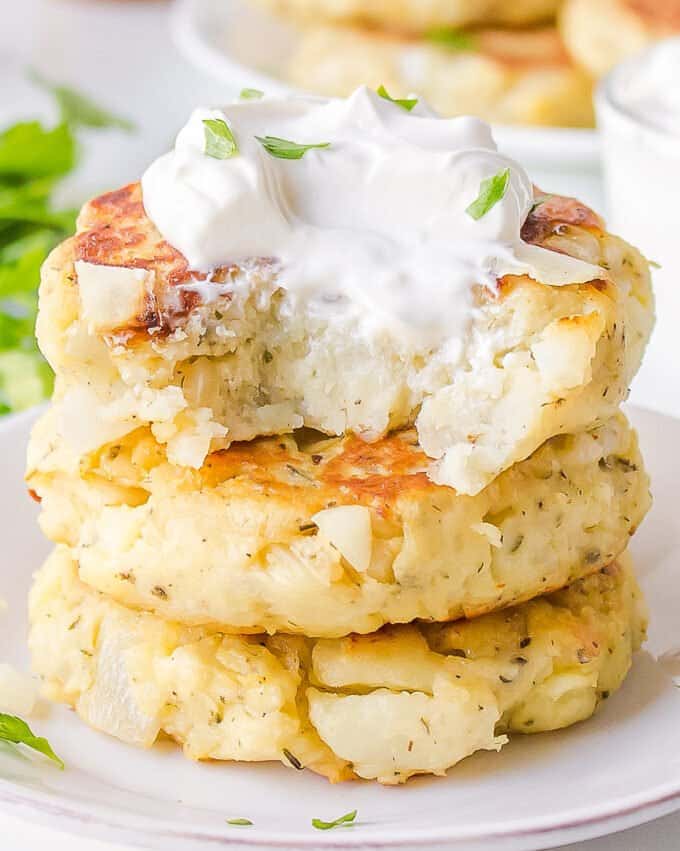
(376, 222)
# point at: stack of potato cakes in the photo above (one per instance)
(274, 541)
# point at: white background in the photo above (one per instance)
(121, 52)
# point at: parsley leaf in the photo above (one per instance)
(404, 103)
(347, 819)
(284, 149)
(29, 151)
(251, 94)
(239, 822)
(219, 140)
(13, 729)
(491, 190)
(451, 38)
(77, 110)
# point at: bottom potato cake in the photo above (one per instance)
(330, 537)
(406, 700)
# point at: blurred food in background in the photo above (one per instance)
(503, 61)
(532, 62)
(601, 33)
(511, 76)
(418, 16)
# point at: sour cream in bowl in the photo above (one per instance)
(638, 112)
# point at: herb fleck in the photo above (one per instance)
(284, 149)
(293, 760)
(491, 191)
(239, 822)
(404, 103)
(219, 140)
(347, 819)
(251, 94)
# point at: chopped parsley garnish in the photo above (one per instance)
(16, 731)
(404, 103)
(491, 191)
(239, 822)
(451, 38)
(219, 140)
(284, 149)
(251, 94)
(347, 819)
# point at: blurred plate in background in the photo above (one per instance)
(244, 46)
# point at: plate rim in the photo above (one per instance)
(568, 830)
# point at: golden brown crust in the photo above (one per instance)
(553, 212)
(336, 471)
(114, 230)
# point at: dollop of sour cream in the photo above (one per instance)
(377, 220)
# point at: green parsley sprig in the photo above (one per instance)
(33, 159)
(78, 110)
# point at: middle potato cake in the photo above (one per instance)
(325, 537)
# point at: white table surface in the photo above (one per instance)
(121, 53)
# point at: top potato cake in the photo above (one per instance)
(206, 362)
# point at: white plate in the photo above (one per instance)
(619, 769)
(242, 45)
